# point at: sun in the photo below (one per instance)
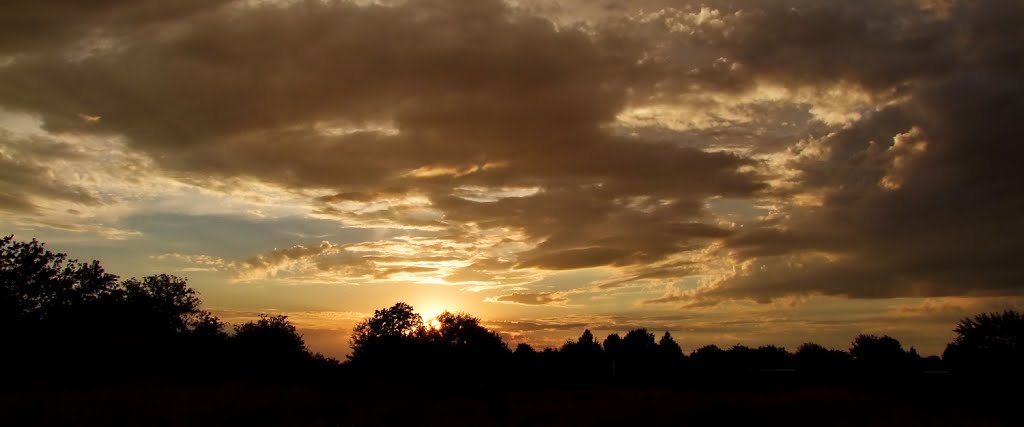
(432, 324)
(429, 315)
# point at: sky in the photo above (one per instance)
(734, 172)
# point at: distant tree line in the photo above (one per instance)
(396, 342)
(61, 319)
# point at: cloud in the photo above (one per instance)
(29, 26)
(540, 298)
(281, 259)
(505, 141)
(27, 179)
(913, 199)
(195, 262)
(479, 95)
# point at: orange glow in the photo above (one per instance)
(429, 314)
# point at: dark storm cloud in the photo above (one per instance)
(874, 43)
(919, 199)
(28, 25)
(733, 45)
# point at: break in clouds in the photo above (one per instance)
(763, 149)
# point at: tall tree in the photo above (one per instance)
(668, 346)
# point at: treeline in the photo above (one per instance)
(394, 342)
(61, 319)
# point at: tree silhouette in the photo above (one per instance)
(988, 342)
(876, 353)
(772, 357)
(161, 303)
(385, 334)
(38, 286)
(51, 306)
(814, 358)
(613, 345)
(638, 342)
(154, 328)
(524, 350)
(462, 333)
(709, 357)
(668, 347)
(269, 345)
(586, 345)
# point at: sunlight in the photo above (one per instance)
(429, 315)
(432, 324)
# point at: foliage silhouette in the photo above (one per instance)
(270, 339)
(814, 358)
(460, 333)
(391, 337)
(668, 347)
(586, 345)
(154, 328)
(880, 354)
(148, 328)
(613, 345)
(638, 342)
(524, 350)
(988, 342)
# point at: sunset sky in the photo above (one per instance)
(762, 171)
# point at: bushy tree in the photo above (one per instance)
(38, 286)
(387, 333)
(612, 345)
(161, 303)
(708, 357)
(638, 341)
(877, 353)
(461, 332)
(524, 350)
(813, 357)
(52, 306)
(270, 340)
(988, 341)
(772, 357)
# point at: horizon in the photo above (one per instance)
(731, 172)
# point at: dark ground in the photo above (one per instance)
(430, 405)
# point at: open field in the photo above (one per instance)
(319, 405)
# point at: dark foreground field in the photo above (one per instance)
(319, 405)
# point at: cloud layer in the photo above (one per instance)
(507, 141)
